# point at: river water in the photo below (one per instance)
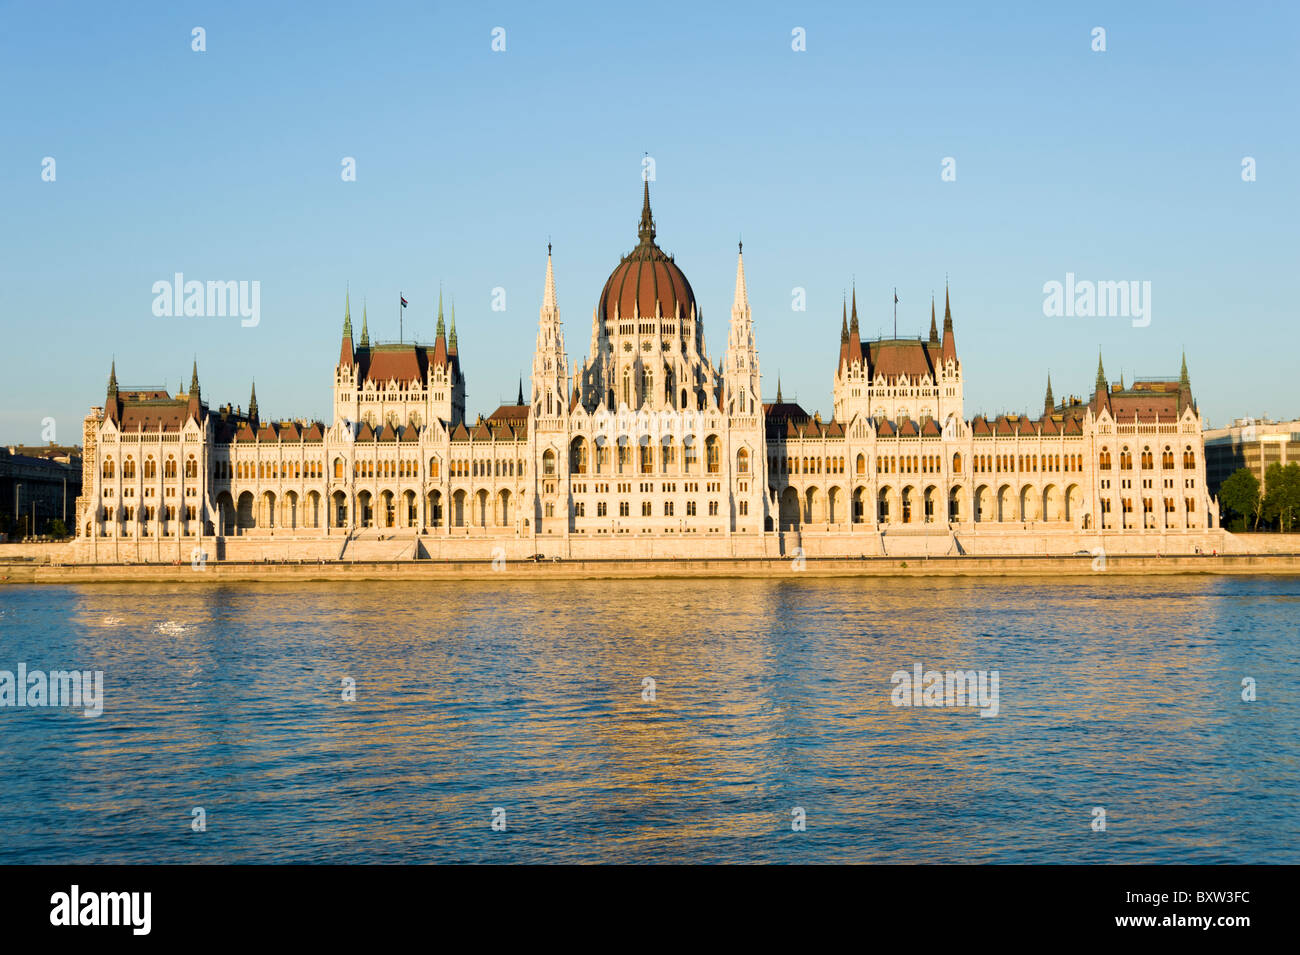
(1116, 693)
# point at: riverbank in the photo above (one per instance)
(225, 572)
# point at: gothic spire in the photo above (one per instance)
(442, 330)
(1183, 380)
(451, 339)
(365, 329)
(347, 315)
(853, 322)
(742, 294)
(934, 329)
(194, 379)
(1049, 402)
(252, 406)
(520, 399)
(844, 321)
(778, 389)
(549, 299)
(112, 378)
(1101, 374)
(947, 309)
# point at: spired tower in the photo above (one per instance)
(900, 379)
(550, 399)
(647, 336)
(741, 388)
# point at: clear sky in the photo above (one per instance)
(226, 165)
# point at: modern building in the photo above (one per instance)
(37, 485)
(647, 447)
(1249, 443)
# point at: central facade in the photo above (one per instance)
(646, 449)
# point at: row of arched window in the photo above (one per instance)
(580, 458)
(266, 470)
(150, 468)
(1147, 459)
(806, 465)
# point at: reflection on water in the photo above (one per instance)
(1115, 692)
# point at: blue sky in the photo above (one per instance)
(225, 164)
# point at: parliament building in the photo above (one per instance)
(645, 449)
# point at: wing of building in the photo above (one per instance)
(645, 449)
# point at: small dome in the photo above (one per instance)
(646, 276)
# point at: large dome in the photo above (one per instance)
(646, 276)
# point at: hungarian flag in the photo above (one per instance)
(403, 301)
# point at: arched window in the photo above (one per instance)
(1125, 459)
(108, 467)
(1103, 462)
(1147, 462)
(579, 456)
(861, 467)
(956, 463)
(128, 468)
(742, 461)
(711, 454)
(169, 467)
(1189, 457)
(150, 468)
(548, 463)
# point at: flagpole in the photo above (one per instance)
(895, 313)
(401, 335)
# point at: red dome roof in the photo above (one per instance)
(646, 276)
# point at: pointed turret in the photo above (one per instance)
(195, 406)
(934, 328)
(252, 407)
(365, 329)
(844, 322)
(855, 337)
(949, 340)
(346, 352)
(520, 399)
(778, 390)
(112, 407)
(451, 339)
(442, 329)
(1049, 402)
(1184, 381)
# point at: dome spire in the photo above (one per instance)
(646, 231)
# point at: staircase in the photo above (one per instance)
(371, 544)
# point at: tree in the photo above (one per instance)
(1240, 495)
(1282, 495)
(56, 528)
